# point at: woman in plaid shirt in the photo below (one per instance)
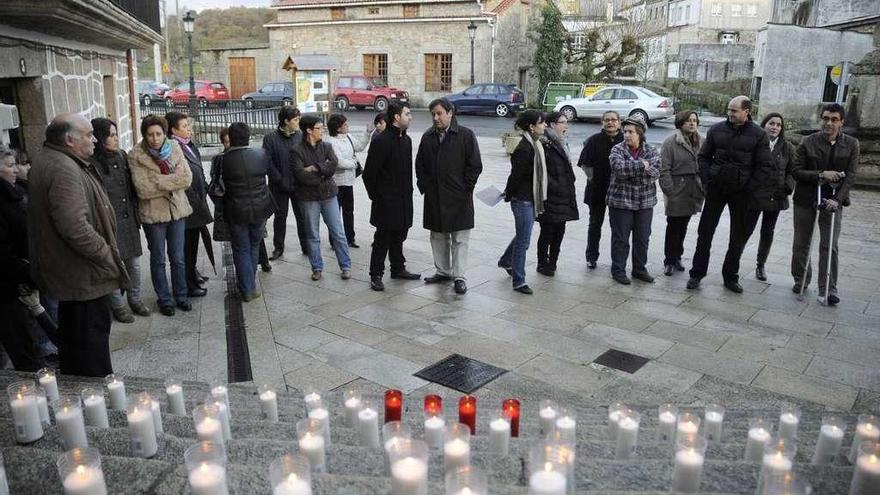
(632, 194)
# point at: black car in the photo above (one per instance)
(150, 91)
(499, 99)
(271, 94)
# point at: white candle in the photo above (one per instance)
(321, 414)
(210, 430)
(566, 426)
(627, 438)
(665, 426)
(548, 417)
(292, 486)
(456, 453)
(775, 464)
(85, 480)
(352, 407)
(866, 476)
(435, 429)
(96, 411)
(50, 385)
(409, 476)
(157, 417)
(499, 436)
(116, 388)
(758, 438)
(208, 479)
(72, 427)
(269, 405)
(547, 483)
(142, 432)
(43, 407)
(687, 471)
(221, 394)
(613, 421)
(176, 404)
(712, 425)
(864, 432)
(312, 400)
(312, 446)
(224, 420)
(368, 428)
(788, 426)
(4, 485)
(828, 445)
(26, 417)
(686, 429)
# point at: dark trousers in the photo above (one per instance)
(742, 224)
(345, 197)
(594, 231)
(804, 224)
(390, 243)
(191, 257)
(623, 224)
(549, 242)
(673, 247)
(18, 336)
(264, 256)
(281, 198)
(85, 337)
(768, 226)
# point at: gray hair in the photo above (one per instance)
(6, 152)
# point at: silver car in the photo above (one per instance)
(625, 100)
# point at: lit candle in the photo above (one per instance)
(290, 475)
(435, 429)
(666, 420)
(95, 408)
(759, 435)
(47, 380)
(85, 480)
(467, 412)
(510, 409)
(312, 446)
(223, 415)
(433, 405)
(712, 422)
(393, 405)
(468, 481)
(221, 393)
(312, 399)
(174, 392)
(208, 479)
(209, 426)
(614, 412)
(789, 418)
(409, 476)
(352, 407)
(547, 412)
(116, 389)
(320, 414)
(292, 486)
(830, 440)
(689, 458)
(457, 448)
(142, 430)
(687, 426)
(566, 425)
(43, 407)
(547, 482)
(25, 412)
(69, 418)
(268, 403)
(368, 427)
(627, 435)
(866, 475)
(499, 436)
(867, 430)
(776, 463)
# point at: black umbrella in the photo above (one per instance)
(209, 247)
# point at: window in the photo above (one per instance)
(438, 72)
(376, 65)
(716, 10)
(410, 11)
(829, 92)
(736, 10)
(360, 83)
(337, 13)
(374, 10)
(625, 94)
(687, 14)
(344, 82)
(752, 10)
(473, 90)
(605, 94)
(728, 38)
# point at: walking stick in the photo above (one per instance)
(823, 300)
(803, 281)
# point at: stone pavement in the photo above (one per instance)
(757, 348)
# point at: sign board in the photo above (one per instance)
(312, 86)
(166, 69)
(836, 72)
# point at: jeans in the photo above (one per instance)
(390, 243)
(345, 197)
(170, 236)
(768, 226)
(742, 223)
(594, 231)
(514, 256)
(450, 250)
(673, 246)
(133, 293)
(281, 197)
(804, 224)
(549, 242)
(85, 336)
(623, 223)
(245, 240)
(329, 209)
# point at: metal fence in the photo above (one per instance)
(209, 119)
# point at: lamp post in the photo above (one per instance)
(189, 21)
(472, 32)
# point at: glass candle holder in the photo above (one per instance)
(547, 412)
(435, 427)
(467, 412)
(142, 428)
(146, 398)
(830, 440)
(4, 484)
(785, 484)
(566, 424)
(409, 468)
(80, 472)
(789, 419)
(457, 446)
(46, 379)
(323, 415)
(510, 409)
(466, 481)
(615, 409)
(866, 474)
(499, 435)
(667, 418)
(712, 422)
(690, 455)
(116, 390)
(220, 391)
(687, 425)
(70, 422)
(312, 398)
(208, 423)
(867, 430)
(310, 437)
(95, 407)
(548, 470)
(174, 393)
(25, 411)
(433, 405)
(290, 474)
(393, 405)
(43, 406)
(352, 403)
(778, 458)
(627, 434)
(394, 433)
(759, 436)
(206, 462)
(268, 402)
(224, 415)
(368, 425)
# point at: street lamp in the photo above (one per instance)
(472, 32)
(189, 21)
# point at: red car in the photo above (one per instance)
(206, 92)
(366, 91)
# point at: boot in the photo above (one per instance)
(760, 274)
(123, 315)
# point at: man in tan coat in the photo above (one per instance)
(72, 236)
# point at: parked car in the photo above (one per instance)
(625, 100)
(499, 99)
(271, 94)
(150, 91)
(365, 91)
(206, 92)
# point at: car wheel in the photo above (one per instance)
(640, 114)
(380, 105)
(248, 103)
(570, 113)
(342, 103)
(147, 100)
(501, 110)
(203, 102)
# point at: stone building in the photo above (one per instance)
(243, 68)
(73, 56)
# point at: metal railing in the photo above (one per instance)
(210, 118)
(145, 11)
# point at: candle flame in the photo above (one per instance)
(80, 470)
(292, 477)
(204, 467)
(548, 466)
(872, 459)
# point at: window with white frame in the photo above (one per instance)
(752, 10)
(728, 38)
(687, 14)
(716, 10)
(736, 10)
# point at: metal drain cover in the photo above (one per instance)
(622, 361)
(461, 373)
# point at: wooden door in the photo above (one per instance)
(242, 76)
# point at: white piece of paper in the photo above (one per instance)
(490, 195)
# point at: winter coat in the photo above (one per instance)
(730, 156)
(680, 176)
(247, 199)
(113, 168)
(388, 178)
(71, 229)
(561, 202)
(162, 198)
(522, 171)
(314, 186)
(446, 173)
(815, 154)
(633, 182)
(13, 241)
(595, 157)
(197, 192)
(279, 151)
(772, 186)
(345, 150)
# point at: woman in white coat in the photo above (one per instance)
(345, 145)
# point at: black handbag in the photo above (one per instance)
(217, 191)
(358, 170)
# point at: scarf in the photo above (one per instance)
(773, 143)
(539, 179)
(161, 156)
(285, 132)
(185, 144)
(555, 138)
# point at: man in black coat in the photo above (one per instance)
(448, 165)
(734, 156)
(388, 179)
(594, 160)
(279, 146)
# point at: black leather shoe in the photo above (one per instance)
(507, 269)
(185, 305)
(197, 292)
(668, 269)
(353, 244)
(376, 283)
(693, 283)
(167, 310)
(436, 279)
(202, 278)
(621, 279)
(833, 300)
(760, 274)
(460, 287)
(796, 288)
(678, 266)
(733, 286)
(591, 265)
(276, 255)
(524, 289)
(543, 270)
(643, 276)
(405, 275)
(266, 267)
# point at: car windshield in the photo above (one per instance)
(377, 82)
(648, 92)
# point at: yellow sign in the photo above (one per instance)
(166, 69)
(591, 89)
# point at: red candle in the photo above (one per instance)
(433, 405)
(510, 410)
(467, 412)
(393, 405)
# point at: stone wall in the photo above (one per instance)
(714, 62)
(215, 64)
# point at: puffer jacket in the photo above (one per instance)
(731, 155)
(247, 198)
(561, 202)
(162, 198)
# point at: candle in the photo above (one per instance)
(435, 429)
(209, 425)
(666, 421)
(4, 485)
(777, 463)
(292, 486)
(687, 471)
(80, 472)
(409, 476)
(157, 416)
(866, 475)
(433, 405)
(467, 412)
(223, 415)
(352, 407)
(614, 412)
(25, 412)
(499, 436)
(566, 426)
(142, 430)
(777, 460)
(687, 426)
(468, 481)
(829, 442)
(759, 435)
(627, 435)
(457, 448)
(547, 414)
(290, 475)
(43, 407)
(312, 400)
(116, 389)
(174, 392)
(368, 427)
(221, 393)
(47, 380)
(867, 430)
(320, 414)
(312, 446)
(268, 403)
(69, 418)
(510, 408)
(712, 422)
(547, 482)
(206, 462)
(393, 405)
(789, 419)
(95, 408)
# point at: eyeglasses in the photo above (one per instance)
(832, 119)
(610, 120)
